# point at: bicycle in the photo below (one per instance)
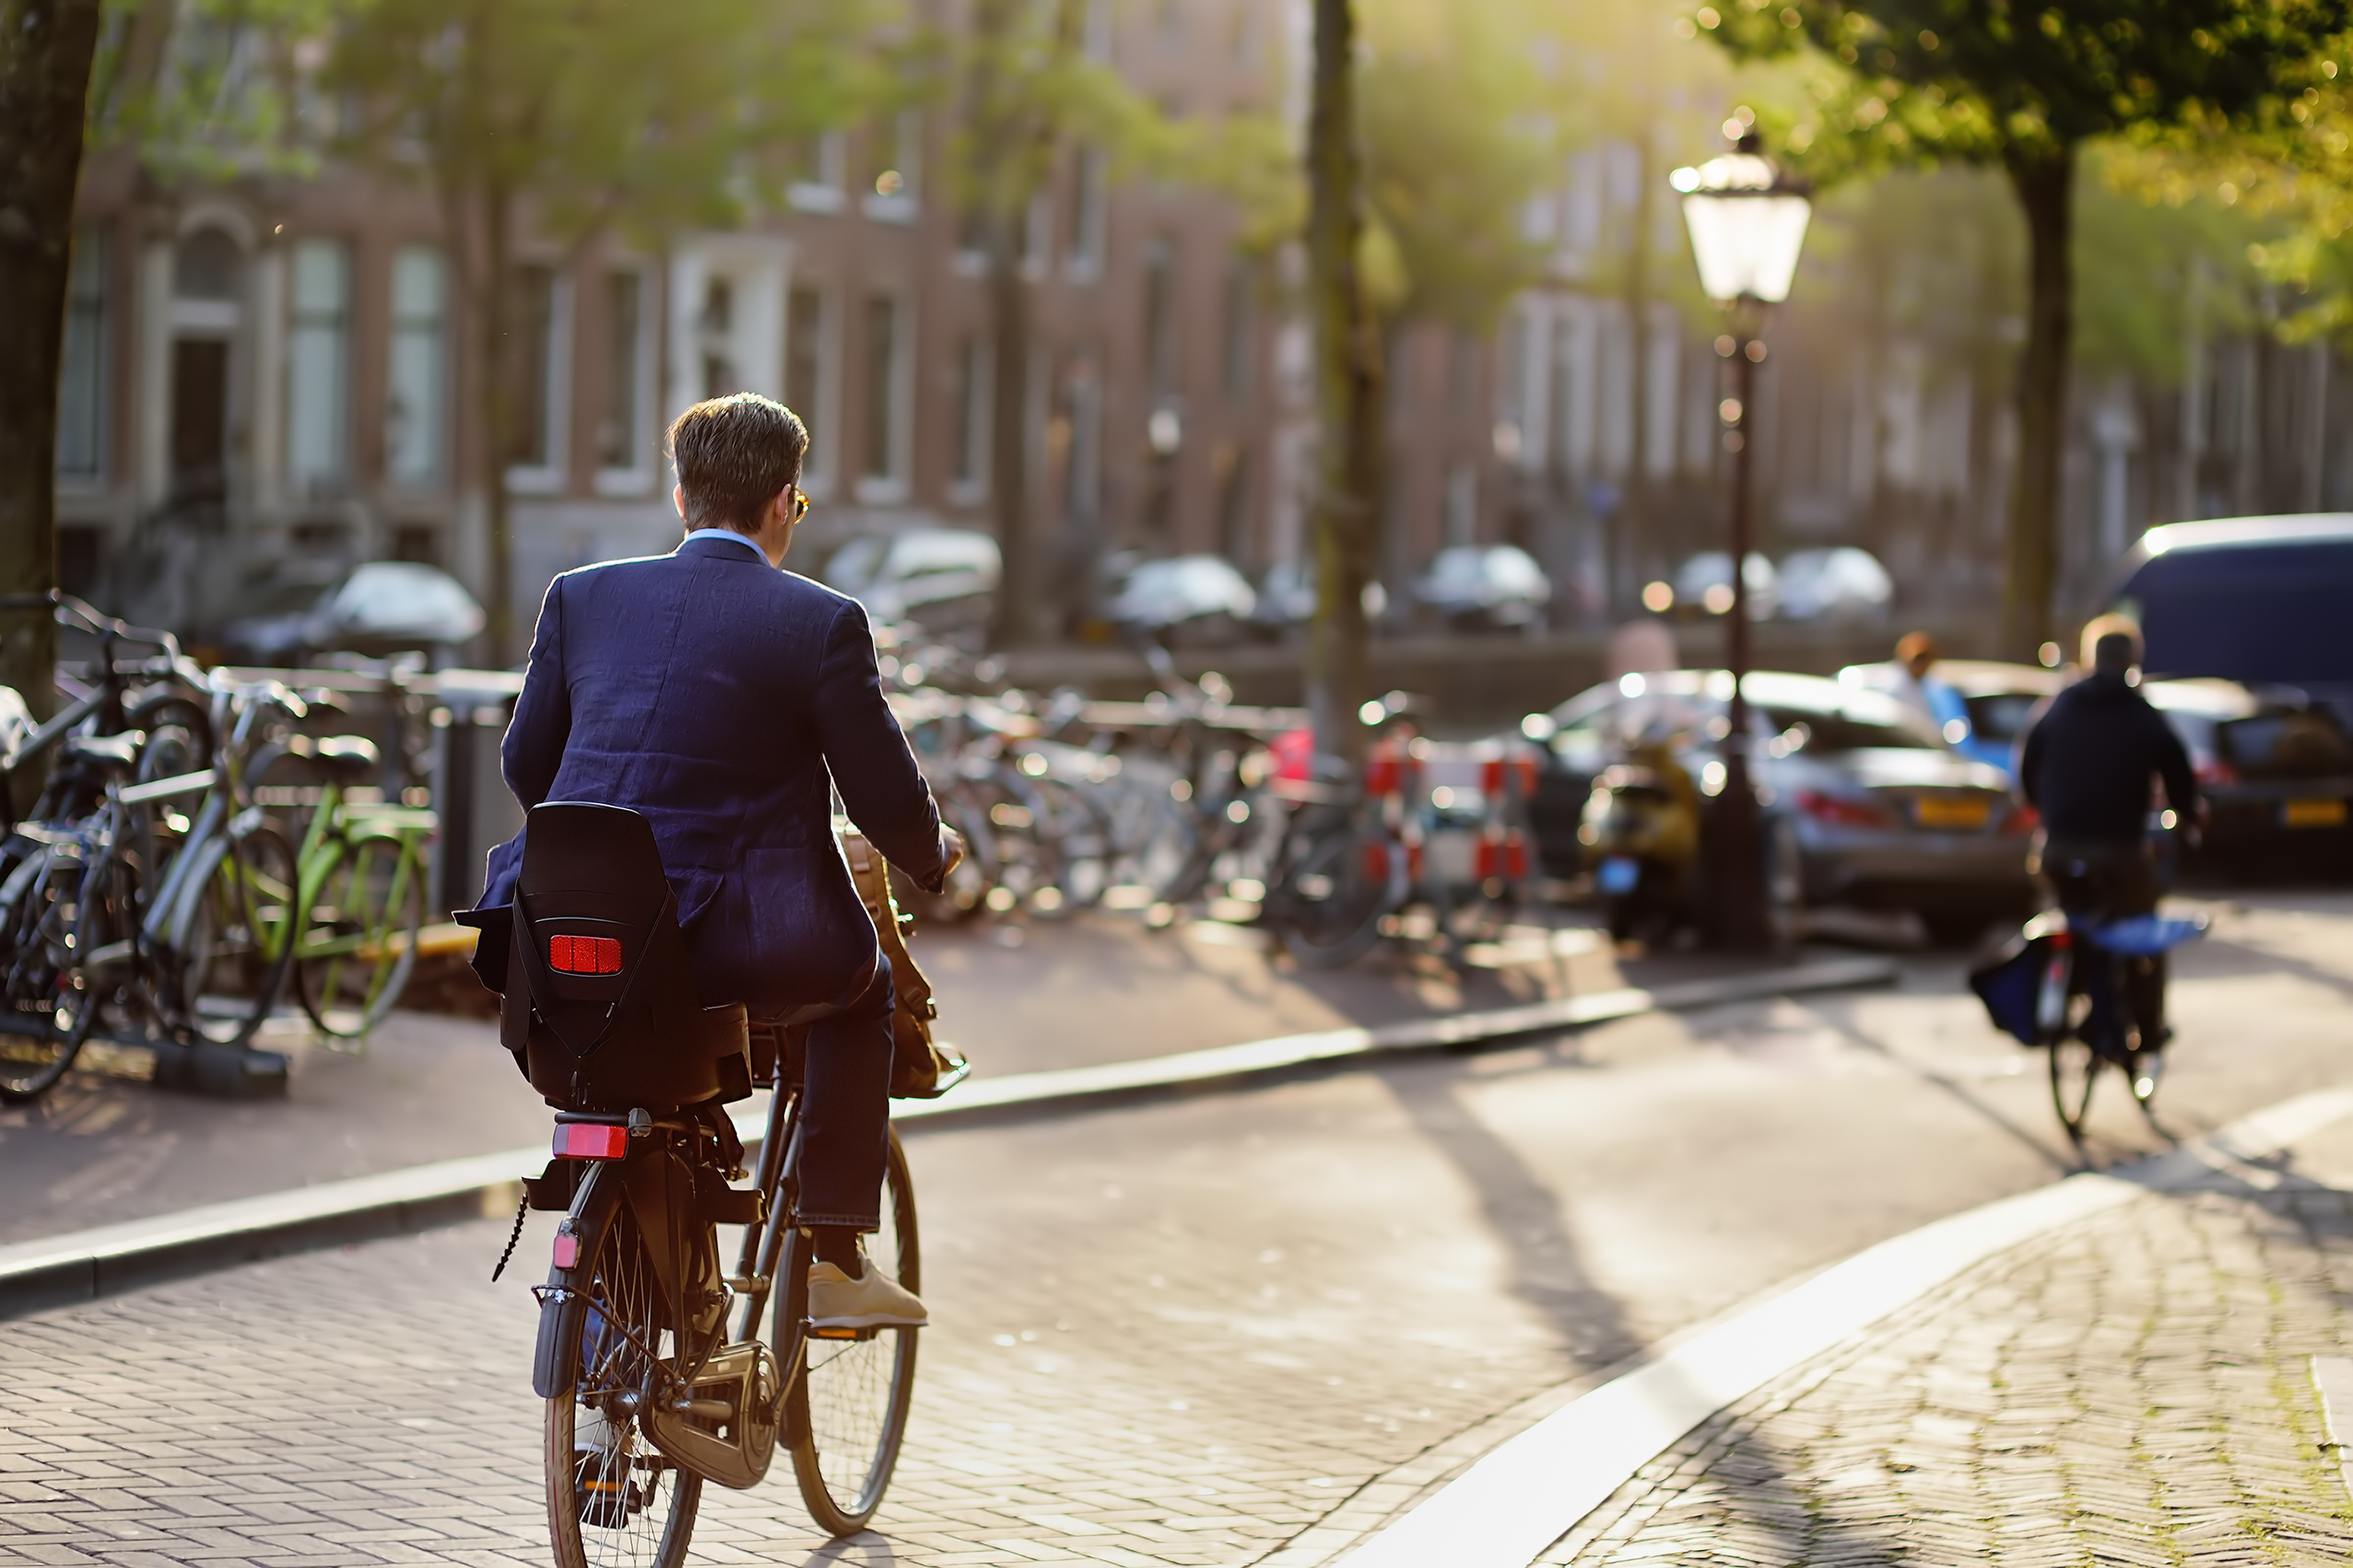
(358, 895)
(646, 1397)
(2082, 1014)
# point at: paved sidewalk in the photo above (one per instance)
(2135, 1389)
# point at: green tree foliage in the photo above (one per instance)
(1894, 81)
(597, 114)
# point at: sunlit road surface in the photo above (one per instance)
(1178, 1332)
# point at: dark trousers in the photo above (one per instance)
(2097, 882)
(845, 1110)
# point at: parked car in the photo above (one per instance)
(1841, 583)
(1703, 583)
(2276, 770)
(1998, 698)
(943, 579)
(377, 609)
(1197, 600)
(1879, 812)
(1485, 586)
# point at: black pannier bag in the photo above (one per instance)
(599, 1002)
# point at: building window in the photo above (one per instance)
(319, 362)
(815, 169)
(880, 456)
(1085, 489)
(620, 434)
(805, 374)
(1240, 328)
(972, 389)
(1234, 507)
(1462, 374)
(716, 330)
(419, 541)
(533, 346)
(1090, 214)
(413, 410)
(82, 375)
(1159, 318)
(1462, 504)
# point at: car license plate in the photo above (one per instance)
(1618, 875)
(1950, 811)
(2312, 814)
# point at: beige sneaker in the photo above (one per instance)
(872, 1300)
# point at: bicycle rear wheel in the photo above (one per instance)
(358, 940)
(846, 1414)
(238, 940)
(615, 1500)
(49, 1003)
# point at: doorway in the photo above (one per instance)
(200, 421)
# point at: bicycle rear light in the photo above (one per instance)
(591, 1140)
(567, 1251)
(584, 954)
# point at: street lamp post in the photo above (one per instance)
(1747, 223)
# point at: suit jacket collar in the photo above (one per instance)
(722, 549)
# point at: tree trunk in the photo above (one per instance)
(1341, 519)
(2045, 185)
(1634, 504)
(1009, 446)
(45, 47)
(494, 207)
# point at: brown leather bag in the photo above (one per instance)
(921, 1067)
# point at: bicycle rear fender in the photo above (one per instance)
(564, 1301)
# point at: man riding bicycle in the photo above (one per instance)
(727, 701)
(2087, 766)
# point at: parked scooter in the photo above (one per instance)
(1641, 832)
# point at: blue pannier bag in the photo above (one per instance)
(2006, 984)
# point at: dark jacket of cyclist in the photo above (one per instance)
(2089, 760)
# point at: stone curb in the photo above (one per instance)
(82, 1266)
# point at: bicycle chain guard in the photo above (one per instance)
(739, 1389)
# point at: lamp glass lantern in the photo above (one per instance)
(1747, 224)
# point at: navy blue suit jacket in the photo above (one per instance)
(720, 697)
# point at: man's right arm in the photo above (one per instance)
(2029, 758)
(867, 752)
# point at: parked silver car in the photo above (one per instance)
(943, 579)
(1200, 600)
(377, 609)
(1880, 810)
(1498, 586)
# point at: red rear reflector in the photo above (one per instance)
(567, 1251)
(590, 1140)
(584, 954)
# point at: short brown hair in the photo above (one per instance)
(2112, 642)
(733, 455)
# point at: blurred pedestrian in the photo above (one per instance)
(1917, 688)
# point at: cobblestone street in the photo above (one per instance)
(1242, 1328)
(2134, 1390)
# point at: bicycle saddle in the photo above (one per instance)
(114, 753)
(600, 1008)
(346, 758)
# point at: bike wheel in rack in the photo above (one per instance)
(1330, 906)
(846, 1408)
(358, 936)
(237, 942)
(615, 1500)
(49, 1003)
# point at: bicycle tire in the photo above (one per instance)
(1335, 894)
(236, 947)
(595, 1499)
(47, 996)
(356, 952)
(2075, 1073)
(847, 1402)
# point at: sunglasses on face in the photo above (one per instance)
(800, 503)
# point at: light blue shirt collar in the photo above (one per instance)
(727, 533)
